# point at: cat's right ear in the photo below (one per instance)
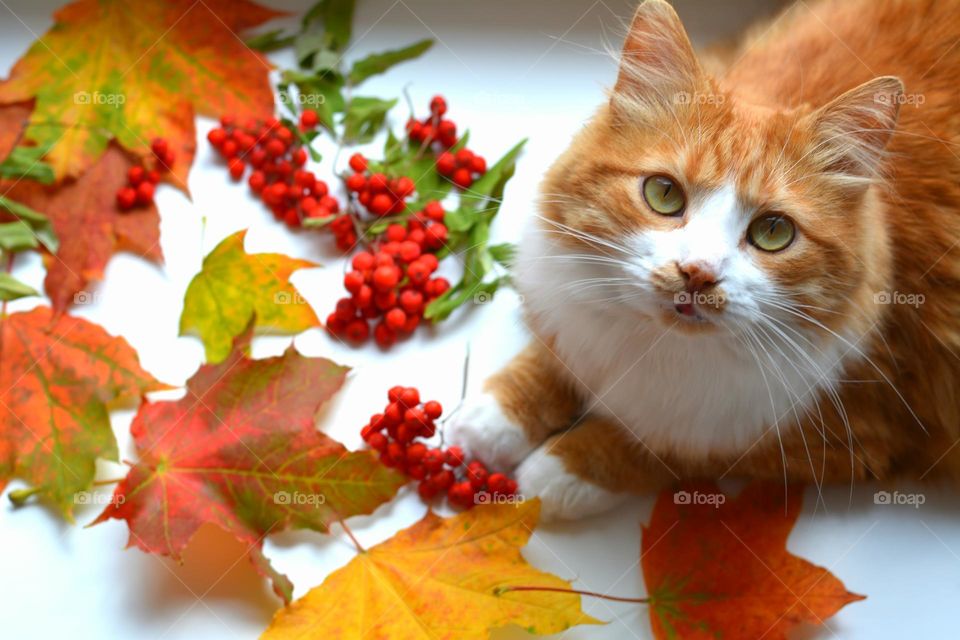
(658, 68)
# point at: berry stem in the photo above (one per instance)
(593, 594)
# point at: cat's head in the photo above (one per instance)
(687, 203)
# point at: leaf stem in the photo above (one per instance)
(19, 496)
(593, 594)
(353, 538)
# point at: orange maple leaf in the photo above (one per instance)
(134, 70)
(717, 566)
(57, 375)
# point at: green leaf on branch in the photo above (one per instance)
(377, 63)
(13, 289)
(321, 92)
(270, 41)
(364, 118)
(326, 29)
(504, 254)
(26, 162)
(36, 222)
(491, 185)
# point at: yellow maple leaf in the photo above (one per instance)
(440, 579)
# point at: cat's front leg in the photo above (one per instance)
(520, 407)
(589, 469)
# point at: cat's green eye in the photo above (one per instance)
(771, 232)
(663, 195)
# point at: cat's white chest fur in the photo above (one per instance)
(693, 394)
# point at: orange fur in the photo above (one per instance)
(878, 210)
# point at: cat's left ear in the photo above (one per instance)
(658, 68)
(853, 130)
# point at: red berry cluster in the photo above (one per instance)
(378, 194)
(462, 167)
(276, 157)
(434, 128)
(395, 433)
(142, 182)
(393, 283)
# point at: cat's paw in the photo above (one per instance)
(563, 495)
(485, 433)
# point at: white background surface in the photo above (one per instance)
(509, 69)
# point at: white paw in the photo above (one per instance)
(563, 495)
(482, 430)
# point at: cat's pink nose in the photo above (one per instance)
(697, 276)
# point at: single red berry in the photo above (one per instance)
(396, 452)
(145, 192)
(462, 178)
(377, 441)
(230, 149)
(227, 121)
(216, 137)
(444, 479)
(126, 198)
(404, 187)
(461, 494)
(427, 489)
(433, 460)
(438, 105)
(159, 147)
(436, 235)
(385, 300)
(464, 157)
(341, 225)
(291, 217)
(434, 211)
(136, 175)
(358, 163)
(357, 330)
(418, 272)
(430, 261)
(385, 278)
(396, 319)
(356, 182)
(416, 452)
(378, 183)
(363, 297)
(236, 167)
(384, 335)
(329, 202)
(409, 251)
(335, 324)
(275, 148)
(393, 395)
(153, 176)
(433, 409)
(309, 119)
(446, 164)
(353, 281)
(380, 204)
(478, 165)
(453, 456)
(497, 482)
(300, 157)
(257, 181)
(410, 397)
(363, 261)
(411, 301)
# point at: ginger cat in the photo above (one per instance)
(753, 273)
